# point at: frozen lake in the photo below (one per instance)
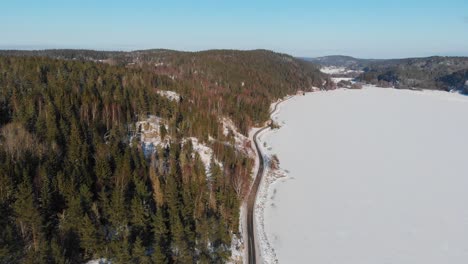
(375, 176)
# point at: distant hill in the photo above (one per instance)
(437, 72)
(63, 54)
(341, 61)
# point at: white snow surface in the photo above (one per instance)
(99, 261)
(171, 95)
(374, 176)
(205, 152)
(337, 80)
(333, 70)
(337, 70)
(241, 142)
(150, 137)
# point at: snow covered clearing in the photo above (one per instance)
(171, 95)
(373, 176)
(337, 80)
(237, 250)
(337, 70)
(205, 152)
(241, 142)
(149, 133)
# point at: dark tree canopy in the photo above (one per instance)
(74, 188)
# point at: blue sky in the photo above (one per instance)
(362, 28)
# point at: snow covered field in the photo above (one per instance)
(337, 70)
(374, 176)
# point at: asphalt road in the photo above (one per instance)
(251, 202)
(253, 195)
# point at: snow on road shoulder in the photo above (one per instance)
(238, 245)
(239, 252)
(266, 251)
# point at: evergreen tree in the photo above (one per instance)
(27, 215)
(89, 238)
(139, 252)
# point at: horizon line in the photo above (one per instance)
(27, 48)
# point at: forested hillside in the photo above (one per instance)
(245, 82)
(424, 73)
(75, 184)
(441, 73)
(457, 80)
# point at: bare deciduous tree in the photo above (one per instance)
(17, 141)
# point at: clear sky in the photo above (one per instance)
(362, 28)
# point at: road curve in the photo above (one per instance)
(253, 194)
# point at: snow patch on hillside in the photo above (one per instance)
(241, 142)
(171, 95)
(205, 152)
(337, 80)
(334, 70)
(99, 261)
(149, 135)
(148, 132)
(237, 250)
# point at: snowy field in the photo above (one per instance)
(337, 70)
(373, 176)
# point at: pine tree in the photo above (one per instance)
(27, 215)
(139, 252)
(89, 237)
(160, 240)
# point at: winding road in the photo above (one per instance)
(253, 193)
